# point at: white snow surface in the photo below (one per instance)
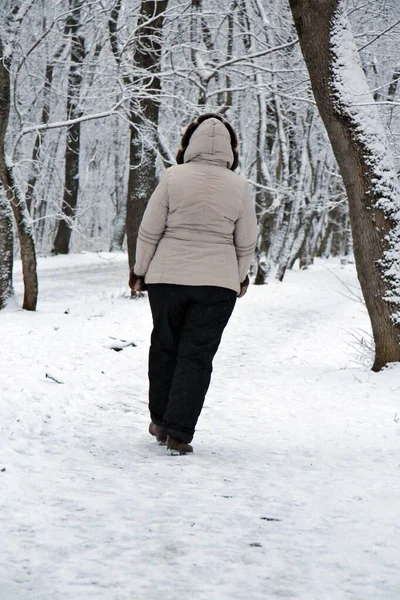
(293, 488)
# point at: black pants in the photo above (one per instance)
(188, 324)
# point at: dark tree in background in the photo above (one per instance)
(144, 113)
(6, 250)
(72, 150)
(143, 86)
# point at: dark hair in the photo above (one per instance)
(192, 128)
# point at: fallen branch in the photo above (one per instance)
(48, 376)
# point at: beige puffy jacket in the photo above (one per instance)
(199, 227)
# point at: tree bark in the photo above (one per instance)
(71, 180)
(40, 136)
(28, 254)
(360, 148)
(6, 251)
(119, 196)
(144, 118)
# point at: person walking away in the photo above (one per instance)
(194, 249)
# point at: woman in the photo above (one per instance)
(194, 249)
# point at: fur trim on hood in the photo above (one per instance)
(209, 137)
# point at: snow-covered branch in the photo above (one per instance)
(69, 122)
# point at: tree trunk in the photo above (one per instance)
(37, 147)
(28, 254)
(119, 195)
(39, 139)
(71, 180)
(266, 215)
(144, 118)
(6, 251)
(361, 150)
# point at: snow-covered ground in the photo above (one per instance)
(293, 490)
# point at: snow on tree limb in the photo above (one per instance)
(349, 86)
(68, 122)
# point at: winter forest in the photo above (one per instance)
(94, 98)
(100, 93)
(96, 94)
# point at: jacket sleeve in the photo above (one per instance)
(245, 235)
(152, 227)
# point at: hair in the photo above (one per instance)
(192, 128)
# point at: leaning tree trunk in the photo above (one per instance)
(28, 254)
(72, 150)
(360, 146)
(144, 118)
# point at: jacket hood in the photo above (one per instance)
(210, 142)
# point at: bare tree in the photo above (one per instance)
(28, 254)
(358, 141)
(72, 151)
(40, 137)
(144, 117)
(118, 194)
(6, 250)
(144, 85)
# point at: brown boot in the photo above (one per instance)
(158, 433)
(178, 446)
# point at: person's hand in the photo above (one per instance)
(136, 282)
(243, 287)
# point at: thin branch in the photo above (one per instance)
(233, 61)
(68, 123)
(379, 35)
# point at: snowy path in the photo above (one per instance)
(293, 490)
